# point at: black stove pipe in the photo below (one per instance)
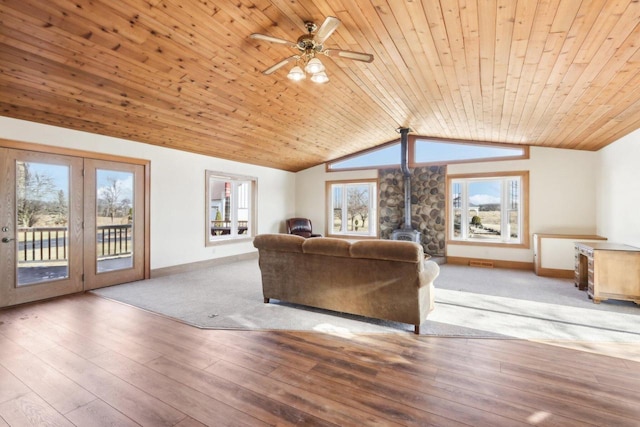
(404, 166)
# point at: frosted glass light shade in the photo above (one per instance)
(314, 66)
(320, 77)
(296, 74)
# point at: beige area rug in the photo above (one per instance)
(470, 302)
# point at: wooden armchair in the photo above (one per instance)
(301, 227)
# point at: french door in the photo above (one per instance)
(40, 226)
(68, 224)
(114, 223)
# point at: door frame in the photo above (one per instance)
(146, 164)
(12, 292)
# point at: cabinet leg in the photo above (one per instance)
(597, 300)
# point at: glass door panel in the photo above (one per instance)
(42, 208)
(114, 220)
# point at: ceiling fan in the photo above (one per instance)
(309, 46)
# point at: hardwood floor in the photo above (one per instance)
(83, 360)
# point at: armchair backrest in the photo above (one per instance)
(299, 226)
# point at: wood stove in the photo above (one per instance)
(406, 233)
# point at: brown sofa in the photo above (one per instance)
(383, 279)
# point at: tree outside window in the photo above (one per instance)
(352, 208)
(38, 196)
(113, 201)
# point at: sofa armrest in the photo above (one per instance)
(279, 242)
(429, 274)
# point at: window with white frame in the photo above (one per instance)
(230, 201)
(488, 208)
(352, 208)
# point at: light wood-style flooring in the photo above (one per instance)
(87, 361)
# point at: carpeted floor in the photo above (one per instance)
(470, 302)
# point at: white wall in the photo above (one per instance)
(618, 190)
(177, 190)
(561, 197)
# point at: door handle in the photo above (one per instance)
(6, 240)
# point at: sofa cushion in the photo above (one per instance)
(327, 246)
(391, 250)
(279, 242)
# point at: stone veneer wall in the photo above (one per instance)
(428, 201)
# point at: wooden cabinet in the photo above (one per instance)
(608, 271)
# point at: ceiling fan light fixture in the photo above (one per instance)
(296, 74)
(314, 66)
(308, 47)
(320, 77)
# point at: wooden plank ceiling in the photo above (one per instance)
(186, 75)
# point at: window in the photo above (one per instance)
(230, 202)
(489, 208)
(431, 151)
(352, 208)
(426, 151)
(387, 155)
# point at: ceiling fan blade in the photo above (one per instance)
(326, 29)
(272, 39)
(279, 65)
(358, 56)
